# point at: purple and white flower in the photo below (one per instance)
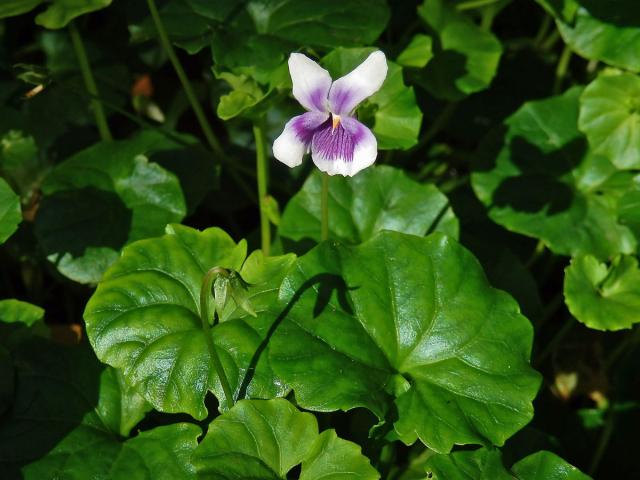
(339, 143)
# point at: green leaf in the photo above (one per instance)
(601, 297)
(547, 466)
(539, 178)
(393, 110)
(378, 198)
(11, 8)
(246, 94)
(465, 57)
(481, 464)
(66, 416)
(610, 118)
(10, 212)
(418, 53)
(61, 12)
(102, 198)
(144, 318)
(267, 438)
(16, 311)
(407, 326)
(485, 464)
(330, 23)
(120, 406)
(629, 209)
(608, 32)
(161, 453)
(20, 163)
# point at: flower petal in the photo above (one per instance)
(343, 150)
(295, 139)
(365, 80)
(311, 82)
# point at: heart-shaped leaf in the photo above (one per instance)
(601, 297)
(410, 328)
(540, 179)
(145, 319)
(485, 464)
(378, 198)
(610, 118)
(609, 32)
(267, 438)
(465, 56)
(103, 198)
(10, 213)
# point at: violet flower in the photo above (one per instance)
(338, 142)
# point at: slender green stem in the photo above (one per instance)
(553, 343)
(438, 124)
(543, 31)
(186, 84)
(261, 169)
(488, 16)
(561, 68)
(603, 443)
(535, 256)
(205, 316)
(90, 82)
(324, 208)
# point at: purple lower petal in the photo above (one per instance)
(345, 149)
(334, 143)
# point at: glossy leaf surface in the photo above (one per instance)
(145, 319)
(267, 438)
(539, 178)
(603, 297)
(610, 118)
(410, 325)
(378, 198)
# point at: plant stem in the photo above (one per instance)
(205, 315)
(90, 83)
(184, 80)
(535, 256)
(551, 345)
(542, 32)
(561, 68)
(603, 443)
(324, 207)
(438, 123)
(261, 169)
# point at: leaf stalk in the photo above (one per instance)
(90, 83)
(205, 315)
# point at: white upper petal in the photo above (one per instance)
(362, 82)
(290, 146)
(364, 153)
(311, 82)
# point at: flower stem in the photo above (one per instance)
(184, 80)
(261, 170)
(324, 206)
(561, 68)
(205, 315)
(90, 83)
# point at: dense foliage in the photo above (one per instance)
(176, 304)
